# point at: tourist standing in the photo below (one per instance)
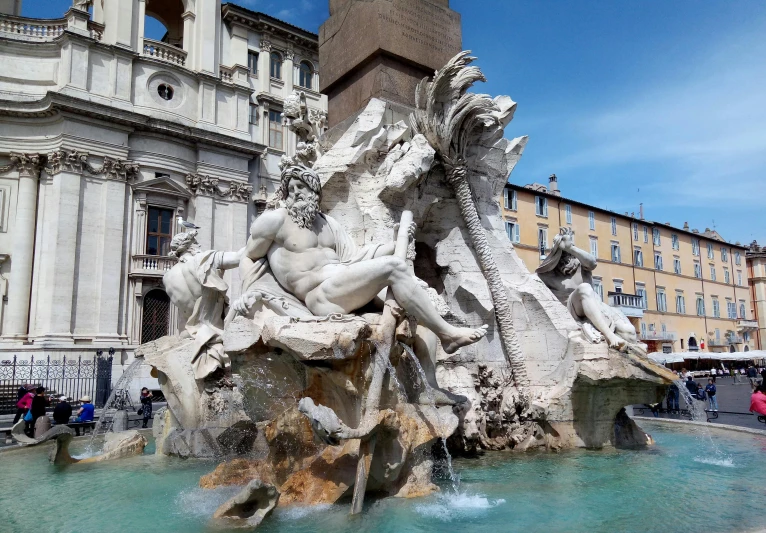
(752, 375)
(86, 411)
(673, 398)
(713, 374)
(63, 411)
(711, 390)
(39, 405)
(691, 386)
(24, 402)
(146, 406)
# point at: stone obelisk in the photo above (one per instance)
(382, 49)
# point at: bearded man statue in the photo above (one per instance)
(301, 262)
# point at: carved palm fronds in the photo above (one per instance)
(450, 118)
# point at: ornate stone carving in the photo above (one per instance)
(265, 45)
(76, 161)
(208, 186)
(455, 123)
(308, 125)
(289, 54)
(567, 273)
(29, 163)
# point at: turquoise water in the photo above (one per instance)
(684, 480)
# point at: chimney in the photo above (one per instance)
(553, 185)
(641, 211)
(686, 226)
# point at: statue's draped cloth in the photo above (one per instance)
(257, 276)
(205, 324)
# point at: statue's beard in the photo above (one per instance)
(303, 211)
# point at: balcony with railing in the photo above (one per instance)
(746, 325)
(29, 29)
(658, 336)
(151, 265)
(164, 52)
(630, 304)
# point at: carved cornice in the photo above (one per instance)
(208, 186)
(29, 163)
(75, 161)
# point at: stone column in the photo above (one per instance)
(112, 281)
(66, 186)
(141, 23)
(264, 62)
(188, 18)
(22, 251)
(288, 71)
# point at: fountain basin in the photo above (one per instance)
(660, 488)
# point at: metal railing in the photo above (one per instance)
(658, 336)
(621, 299)
(164, 52)
(155, 264)
(29, 29)
(73, 378)
(743, 323)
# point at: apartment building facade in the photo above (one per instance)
(756, 276)
(684, 290)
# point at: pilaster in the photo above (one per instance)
(22, 252)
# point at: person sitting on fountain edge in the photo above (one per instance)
(62, 412)
(86, 411)
(758, 400)
(308, 253)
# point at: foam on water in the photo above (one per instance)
(298, 512)
(203, 502)
(457, 505)
(726, 461)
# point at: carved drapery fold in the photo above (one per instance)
(76, 161)
(208, 186)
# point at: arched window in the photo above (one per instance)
(275, 68)
(306, 74)
(156, 315)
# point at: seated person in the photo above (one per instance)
(86, 411)
(758, 401)
(62, 412)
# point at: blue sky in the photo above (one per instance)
(654, 101)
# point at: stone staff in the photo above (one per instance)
(386, 333)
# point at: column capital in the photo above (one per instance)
(28, 164)
(265, 45)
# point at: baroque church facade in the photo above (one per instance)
(107, 136)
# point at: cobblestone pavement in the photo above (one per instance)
(732, 398)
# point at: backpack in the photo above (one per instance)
(701, 394)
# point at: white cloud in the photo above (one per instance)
(703, 124)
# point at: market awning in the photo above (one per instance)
(680, 357)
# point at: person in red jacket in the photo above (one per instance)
(758, 400)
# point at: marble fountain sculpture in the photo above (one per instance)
(384, 311)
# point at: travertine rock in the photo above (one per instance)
(317, 339)
(248, 508)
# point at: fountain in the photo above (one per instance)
(294, 400)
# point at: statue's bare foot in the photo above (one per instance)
(462, 337)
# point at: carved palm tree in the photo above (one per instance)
(449, 117)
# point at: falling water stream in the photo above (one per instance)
(430, 394)
(122, 384)
(697, 412)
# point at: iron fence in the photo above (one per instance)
(73, 378)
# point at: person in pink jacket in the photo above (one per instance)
(758, 400)
(24, 403)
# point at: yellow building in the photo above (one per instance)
(684, 290)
